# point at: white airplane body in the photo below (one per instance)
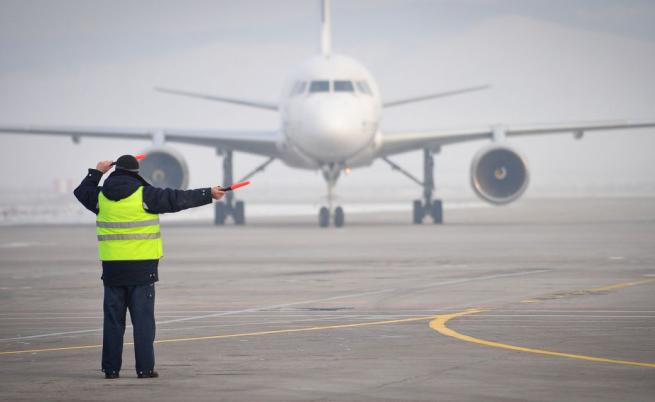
(330, 112)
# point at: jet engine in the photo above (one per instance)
(499, 174)
(164, 167)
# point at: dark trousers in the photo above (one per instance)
(140, 300)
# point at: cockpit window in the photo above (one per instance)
(363, 87)
(343, 86)
(299, 88)
(319, 86)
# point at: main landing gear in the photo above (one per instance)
(327, 213)
(324, 216)
(426, 206)
(230, 207)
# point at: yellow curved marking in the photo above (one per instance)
(439, 325)
(259, 333)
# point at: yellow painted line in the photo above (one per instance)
(16, 352)
(241, 335)
(621, 285)
(439, 325)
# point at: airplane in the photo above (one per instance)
(330, 115)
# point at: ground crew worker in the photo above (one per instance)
(129, 245)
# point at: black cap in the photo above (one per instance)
(128, 162)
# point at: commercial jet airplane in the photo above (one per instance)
(330, 112)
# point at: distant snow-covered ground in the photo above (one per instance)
(19, 207)
(26, 208)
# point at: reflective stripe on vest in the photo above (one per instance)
(126, 231)
(127, 224)
(135, 236)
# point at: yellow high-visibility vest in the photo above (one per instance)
(126, 231)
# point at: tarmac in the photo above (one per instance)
(543, 300)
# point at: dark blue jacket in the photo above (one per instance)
(121, 184)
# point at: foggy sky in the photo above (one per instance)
(96, 62)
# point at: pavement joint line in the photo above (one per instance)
(621, 285)
(439, 324)
(584, 292)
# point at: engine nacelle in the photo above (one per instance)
(499, 174)
(164, 167)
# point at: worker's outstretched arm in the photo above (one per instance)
(163, 200)
(87, 192)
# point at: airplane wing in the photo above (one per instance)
(255, 142)
(394, 143)
(444, 94)
(237, 101)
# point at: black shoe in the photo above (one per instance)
(147, 374)
(112, 375)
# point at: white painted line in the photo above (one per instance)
(283, 305)
(83, 331)
(25, 244)
(243, 324)
(479, 278)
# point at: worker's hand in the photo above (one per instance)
(217, 192)
(104, 166)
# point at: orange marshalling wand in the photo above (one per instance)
(237, 185)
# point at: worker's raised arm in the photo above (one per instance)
(87, 192)
(163, 200)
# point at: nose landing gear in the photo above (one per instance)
(331, 174)
(338, 216)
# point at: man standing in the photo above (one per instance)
(129, 246)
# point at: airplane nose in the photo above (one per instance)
(334, 129)
(331, 120)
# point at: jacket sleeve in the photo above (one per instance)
(163, 200)
(87, 192)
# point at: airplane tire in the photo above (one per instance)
(239, 213)
(219, 213)
(436, 211)
(339, 217)
(418, 212)
(324, 217)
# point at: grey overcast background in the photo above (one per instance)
(96, 62)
